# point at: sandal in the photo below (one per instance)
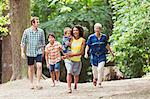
(75, 87)
(32, 87)
(39, 87)
(69, 91)
(94, 82)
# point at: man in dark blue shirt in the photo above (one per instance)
(97, 46)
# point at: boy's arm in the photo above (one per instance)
(46, 57)
(60, 47)
(61, 50)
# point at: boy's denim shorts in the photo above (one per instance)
(54, 67)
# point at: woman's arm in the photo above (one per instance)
(86, 51)
(109, 49)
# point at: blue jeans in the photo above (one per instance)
(54, 67)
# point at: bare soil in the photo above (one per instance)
(138, 88)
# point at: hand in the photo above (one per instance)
(63, 57)
(67, 43)
(42, 54)
(23, 55)
(68, 55)
(86, 56)
(48, 65)
(113, 55)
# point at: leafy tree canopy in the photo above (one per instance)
(131, 36)
(3, 20)
(62, 13)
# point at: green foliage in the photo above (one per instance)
(41, 9)
(131, 36)
(67, 13)
(70, 12)
(3, 28)
(3, 20)
(131, 32)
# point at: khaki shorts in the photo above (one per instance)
(72, 67)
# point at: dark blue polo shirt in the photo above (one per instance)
(97, 48)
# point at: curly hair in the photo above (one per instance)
(79, 27)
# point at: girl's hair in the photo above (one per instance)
(67, 29)
(51, 34)
(81, 31)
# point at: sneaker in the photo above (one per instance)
(100, 85)
(57, 82)
(53, 85)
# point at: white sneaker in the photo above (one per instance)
(57, 82)
(53, 85)
(99, 85)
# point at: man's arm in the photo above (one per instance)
(43, 42)
(22, 53)
(23, 44)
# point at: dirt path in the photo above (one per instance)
(122, 89)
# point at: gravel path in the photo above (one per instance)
(123, 89)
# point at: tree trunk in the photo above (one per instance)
(6, 49)
(20, 20)
(0, 59)
(6, 59)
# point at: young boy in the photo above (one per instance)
(53, 57)
(66, 40)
